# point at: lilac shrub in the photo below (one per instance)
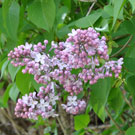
(83, 50)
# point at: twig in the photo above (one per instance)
(61, 125)
(121, 36)
(90, 8)
(100, 127)
(118, 127)
(127, 101)
(115, 54)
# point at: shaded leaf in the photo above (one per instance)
(131, 84)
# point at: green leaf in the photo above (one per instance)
(130, 131)
(5, 9)
(2, 29)
(35, 84)
(23, 82)
(131, 50)
(81, 121)
(133, 4)
(10, 11)
(131, 84)
(118, 4)
(6, 94)
(1, 85)
(42, 13)
(61, 14)
(13, 20)
(129, 63)
(63, 31)
(99, 96)
(67, 3)
(129, 26)
(4, 67)
(115, 99)
(13, 93)
(89, 20)
(13, 71)
(108, 11)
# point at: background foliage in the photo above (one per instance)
(32, 21)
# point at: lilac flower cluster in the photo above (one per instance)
(83, 50)
(32, 105)
(44, 68)
(73, 105)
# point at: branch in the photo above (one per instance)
(90, 8)
(124, 46)
(118, 127)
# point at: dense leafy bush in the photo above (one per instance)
(70, 60)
